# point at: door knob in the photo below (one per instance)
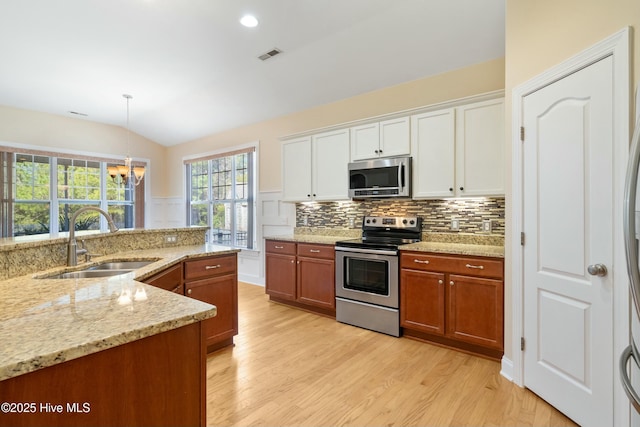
(597, 270)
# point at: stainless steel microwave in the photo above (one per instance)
(379, 178)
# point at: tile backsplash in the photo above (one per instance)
(436, 214)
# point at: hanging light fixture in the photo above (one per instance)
(127, 171)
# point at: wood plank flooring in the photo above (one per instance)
(293, 368)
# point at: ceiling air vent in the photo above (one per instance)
(273, 52)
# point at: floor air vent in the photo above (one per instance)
(273, 52)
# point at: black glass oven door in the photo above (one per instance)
(366, 275)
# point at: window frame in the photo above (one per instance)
(233, 201)
(8, 200)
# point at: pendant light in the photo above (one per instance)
(127, 171)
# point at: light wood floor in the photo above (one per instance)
(292, 368)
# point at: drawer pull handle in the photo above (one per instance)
(315, 251)
(211, 267)
(421, 262)
(279, 247)
(479, 267)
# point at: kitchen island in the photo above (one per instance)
(104, 351)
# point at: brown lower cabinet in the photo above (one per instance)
(301, 274)
(457, 301)
(214, 280)
(155, 381)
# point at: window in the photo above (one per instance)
(221, 194)
(40, 192)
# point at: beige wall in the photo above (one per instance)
(476, 79)
(541, 34)
(59, 132)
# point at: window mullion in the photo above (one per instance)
(54, 220)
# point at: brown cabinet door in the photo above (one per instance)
(169, 279)
(475, 310)
(280, 272)
(316, 282)
(223, 293)
(422, 301)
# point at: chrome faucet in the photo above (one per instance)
(72, 249)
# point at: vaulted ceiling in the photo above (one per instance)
(193, 70)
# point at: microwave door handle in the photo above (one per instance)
(401, 175)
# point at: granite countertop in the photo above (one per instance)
(462, 245)
(456, 248)
(48, 321)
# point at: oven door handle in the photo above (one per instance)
(366, 251)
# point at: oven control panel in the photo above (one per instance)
(391, 222)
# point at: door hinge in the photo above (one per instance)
(521, 343)
(522, 238)
(522, 133)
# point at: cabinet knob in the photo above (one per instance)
(440, 282)
(451, 283)
(308, 195)
(314, 195)
(376, 151)
(461, 188)
(292, 261)
(189, 292)
(450, 188)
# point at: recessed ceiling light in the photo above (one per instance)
(249, 21)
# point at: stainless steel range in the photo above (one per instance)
(367, 273)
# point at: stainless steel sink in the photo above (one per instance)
(122, 265)
(106, 269)
(83, 274)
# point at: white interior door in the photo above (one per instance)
(568, 226)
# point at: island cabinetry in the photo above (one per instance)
(169, 279)
(453, 300)
(301, 274)
(155, 381)
(214, 280)
(211, 279)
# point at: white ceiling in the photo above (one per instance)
(193, 69)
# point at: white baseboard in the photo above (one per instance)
(507, 368)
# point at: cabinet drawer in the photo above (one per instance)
(279, 247)
(316, 251)
(470, 266)
(210, 267)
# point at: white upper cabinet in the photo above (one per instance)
(480, 149)
(388, 138)
(433, 152)
(296, 170)
(459, 152)
(315, 167)
(330, 162)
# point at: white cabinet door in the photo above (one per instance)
(296, 170)
(388, 138)
(365, 141)
(394, 138)
(480, 149)
(330, 154)
(433, 149)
